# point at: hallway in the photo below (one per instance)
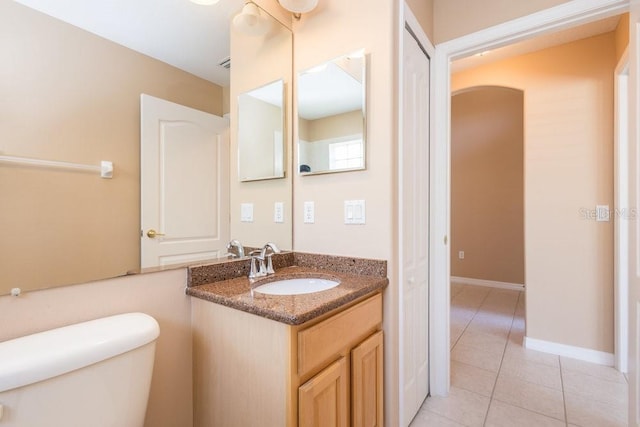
(496, 382)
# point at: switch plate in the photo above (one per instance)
(278, 212)
(246, 212)
(460, 254)
(354, 212)
(602, 213)
(309, 213)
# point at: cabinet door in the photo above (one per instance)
(323, 401)
(367, 382)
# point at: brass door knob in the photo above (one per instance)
(152, 234)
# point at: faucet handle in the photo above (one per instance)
(256, 253)
(273, 247)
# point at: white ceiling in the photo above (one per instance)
(344, 96)
(538, 43)
(189, 36)
(195, 38)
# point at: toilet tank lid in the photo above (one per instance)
(47, 354)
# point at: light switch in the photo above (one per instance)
(309, 213)
(246, 212)
(354, 212)
(602, 212)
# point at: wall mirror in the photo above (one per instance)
(73, 96)
(332, 116)
(261, 133)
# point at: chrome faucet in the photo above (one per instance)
(258, 258)
(274, 250)
(235, 249)
(257, 270)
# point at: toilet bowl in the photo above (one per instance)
(96, 373)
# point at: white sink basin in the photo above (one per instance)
(296, 286)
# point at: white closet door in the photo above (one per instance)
(414, 217)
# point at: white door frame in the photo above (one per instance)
(563, 16)
(621, 213)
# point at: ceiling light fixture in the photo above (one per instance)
(250, 21)
(298, 6)
(205, 2)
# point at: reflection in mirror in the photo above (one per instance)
(70, 95)
(331, 116)
(261, 133)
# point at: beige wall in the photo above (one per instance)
(257, 61)
(262, 120)
(335, 28)
(160, 295)
(71, 96)
(456, 18)
(334, 126)
(487, 189)
(423, 11)
(568, 170)
(622, 35)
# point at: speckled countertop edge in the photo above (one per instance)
(358, 277)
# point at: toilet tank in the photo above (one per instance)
(96, 373)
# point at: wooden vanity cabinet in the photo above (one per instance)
(367, 381)
(252, 371)
(324, 399)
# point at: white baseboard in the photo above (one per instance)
(586, 354)
(489, 283)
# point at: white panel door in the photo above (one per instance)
(184, 183)
(414, 217)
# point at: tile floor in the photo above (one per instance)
(495, 381)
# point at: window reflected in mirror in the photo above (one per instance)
(261, 133)
(331, 116)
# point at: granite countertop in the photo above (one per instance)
(295, 309)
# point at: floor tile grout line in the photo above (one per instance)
(470, 320)
(499, 371)
(463, 331)
(477, 311)
(564, 396)
(493, 390)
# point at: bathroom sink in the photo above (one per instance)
(299, 286)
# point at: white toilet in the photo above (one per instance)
(95, 373)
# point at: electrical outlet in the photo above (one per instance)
(461, 254)
(309, 213)
(278, 212)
